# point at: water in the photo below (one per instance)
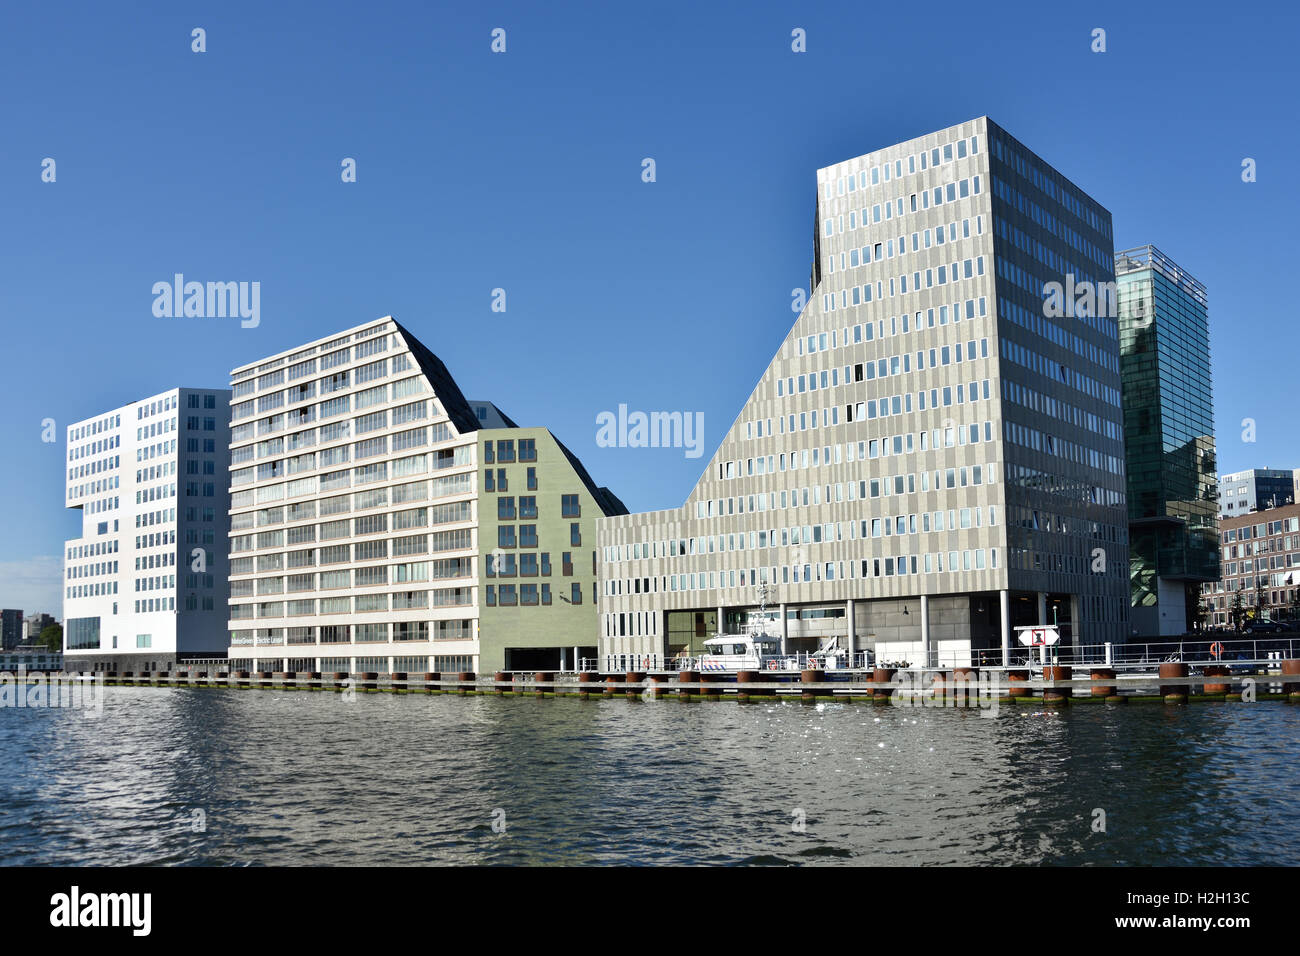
(291, 778)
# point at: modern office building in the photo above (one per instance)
(11, 628)
(381, 522)
(1169, 440)
(934, 455)
(145, 584)
(1261, 569)
(1245, 491)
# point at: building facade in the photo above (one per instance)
(1245, 491)
(1260, 558)
(11, 628)
(145, 584)
(1169, 440)
(383, 523)
(34, 623)
(934, 455)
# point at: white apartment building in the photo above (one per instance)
(145, 584)
(356, 512)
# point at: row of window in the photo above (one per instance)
(931, 562)
(951, 435)
(939, 357)
(340, 405)
(505, 450)
(526, 595)
(922, 239)
(914, 162)
(797, 535)
(97, 427)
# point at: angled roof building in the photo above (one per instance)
(934, 455)
(382, 522)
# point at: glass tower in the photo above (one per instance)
(1169, 439)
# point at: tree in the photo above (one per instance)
(51, 637)
(1238, 611)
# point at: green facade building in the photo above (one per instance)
(537, 534)
(1169, 440)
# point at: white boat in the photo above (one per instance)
(745, 652)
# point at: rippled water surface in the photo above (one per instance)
(306, 778)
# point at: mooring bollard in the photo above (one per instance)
(540, 680)
(586, 677)
(281, 678)
(1291, 688)
(655, 681)
(882, 675)
(397, 680)
(431, 682)
(634, 677)
(610, 683)
(1173, 693)
(337, 678)
(311, 680)
(1103, 690)
(812, 676)
(1216, 670)
(684, 680)
(744, 678)
(263, 678)
(499, 678)
(241, 678)
(1057, 672)
(464, 682)
(1020, 677)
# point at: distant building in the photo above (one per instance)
(145, 583)
(1256, 488)
(11, 628)
(1261, 562)
(1168, 440)
(35, 623)
(30, 658)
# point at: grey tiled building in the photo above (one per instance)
(934, 455)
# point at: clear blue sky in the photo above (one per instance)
(522, 171)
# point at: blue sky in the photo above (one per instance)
(522, 171)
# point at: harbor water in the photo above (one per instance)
(231, 778)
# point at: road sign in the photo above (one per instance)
(1038, 636)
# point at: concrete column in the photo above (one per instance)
(925, 629)
(785, 633)
(850, 613)
(1004, 619)
(722, 627)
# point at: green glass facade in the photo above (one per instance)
(1169, 439)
